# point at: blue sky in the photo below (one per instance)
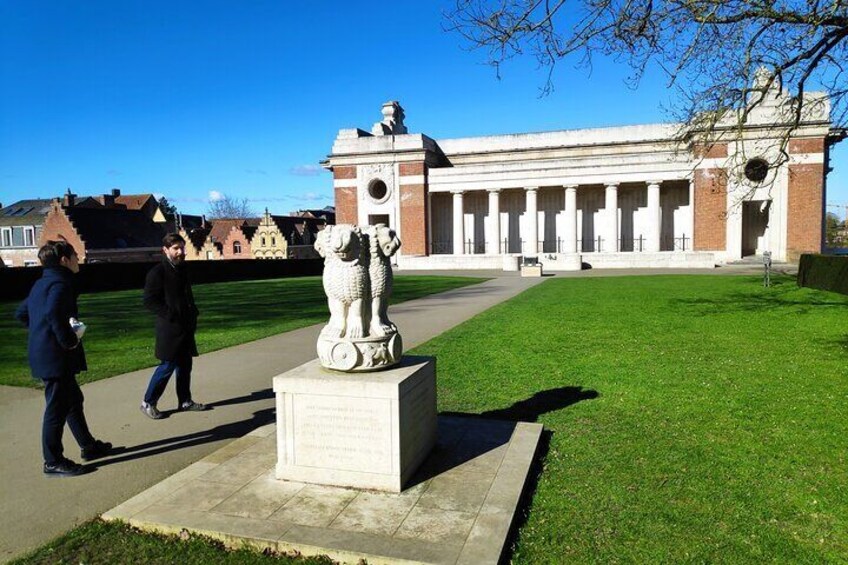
(189, 99)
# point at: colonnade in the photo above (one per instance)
(608, 230)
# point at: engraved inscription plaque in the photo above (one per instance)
(351, 434)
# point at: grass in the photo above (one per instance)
(119, 338)
(688, 419)
(108, 543)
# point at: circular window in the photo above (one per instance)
(756, 170)
(377, 189)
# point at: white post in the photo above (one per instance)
(611, 208)
(458, 224)
(494, 235)
(532, 225)
(570, 219)
(652, 244)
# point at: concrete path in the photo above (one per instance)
(235, 382)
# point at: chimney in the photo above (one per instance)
(69, 200)
(203, 221)
(116, 192)
(108, 200)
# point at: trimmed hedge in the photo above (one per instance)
(824, 272)
(16, 282)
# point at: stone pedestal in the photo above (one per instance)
(365, 430)
(531, 270)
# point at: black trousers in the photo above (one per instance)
(64, 404)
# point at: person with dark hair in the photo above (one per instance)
(167, 293)
(56, 356)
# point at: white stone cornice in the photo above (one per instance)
(806, 159)
(654, 181)
(459, 191)
(531, 188)
(495, 190)
(412, 179)
(344, 183)
(612, 184)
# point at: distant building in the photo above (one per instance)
(108, 228)
(20, 231)
(632, 196)
(286, 237)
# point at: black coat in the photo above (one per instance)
(167, 293)
(54, 349)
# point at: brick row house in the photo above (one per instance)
(104, 228)
(20, 231)
(268, 237)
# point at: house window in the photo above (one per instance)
(17, 236)
(273, 241)
(263, 241)
(237, 248)
(29, 237)
(7, 237)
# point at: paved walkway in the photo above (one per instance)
(234, 381)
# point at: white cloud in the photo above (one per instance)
(309, 170)
(214, 195)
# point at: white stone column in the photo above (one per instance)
(458, 224)
(611, 212)
(493, 238)
(570, 243)
(652, 245)
(531, 246)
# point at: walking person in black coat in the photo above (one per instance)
(167, 293)
(56, 355)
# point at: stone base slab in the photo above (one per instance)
(365, 430)
(458, 510)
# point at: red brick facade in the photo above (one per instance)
(413, 210)
(57, 225)
(229, 248)
(814, 145)
(710, 210)
(806, 210)
(347, 210)
(715, 151)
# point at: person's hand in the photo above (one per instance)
(78, 327)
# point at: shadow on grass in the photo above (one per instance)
(527, 410)
(779, 296)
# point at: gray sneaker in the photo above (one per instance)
(150, 411)
(191, 406)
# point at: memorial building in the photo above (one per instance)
(634, 196)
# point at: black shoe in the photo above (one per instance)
(96, 450)
(191, 406)
(63, 468)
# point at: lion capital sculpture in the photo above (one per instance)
(358, 282)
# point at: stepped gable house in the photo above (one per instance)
(610, 197)
(285, 237)
(103, 229)
(237, 242)
(20, 231)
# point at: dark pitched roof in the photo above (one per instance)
(197, 236)
(293, 227)
(24, 213)
(115, 228)
(221, 228)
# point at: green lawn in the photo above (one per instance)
(690, 419)
(120, 331)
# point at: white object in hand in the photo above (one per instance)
(78, 327)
